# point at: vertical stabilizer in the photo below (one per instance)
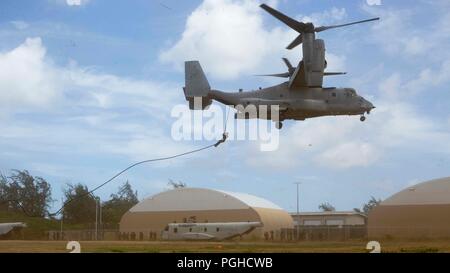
(197, 87)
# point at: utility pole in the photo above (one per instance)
(62, 218)
(298, 206)
(96, 218)
(101, 218)
(298, 209)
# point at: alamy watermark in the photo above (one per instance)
(373, 2)
(251, 122)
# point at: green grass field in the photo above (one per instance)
(225, 247)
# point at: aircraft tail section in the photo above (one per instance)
(197, 87)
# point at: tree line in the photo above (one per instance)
(23, 193)
(366, 207)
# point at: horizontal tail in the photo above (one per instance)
(197, 87)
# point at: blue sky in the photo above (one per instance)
(86, 90)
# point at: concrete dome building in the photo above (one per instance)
(183, 205)
(420, 211)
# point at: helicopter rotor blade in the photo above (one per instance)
(323, 28)
(296, 42)
(294, 24)
(288, 74)
(334, 73)
(288, 64)
(281, 75)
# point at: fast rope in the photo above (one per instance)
(224, 138)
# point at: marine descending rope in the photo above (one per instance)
(224, 138)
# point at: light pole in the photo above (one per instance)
(62, 218)
(298, 210)
(97, 208)
(100, 218)
(96, 218)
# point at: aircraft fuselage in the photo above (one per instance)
(299, 104)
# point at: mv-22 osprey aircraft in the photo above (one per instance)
(299, 98)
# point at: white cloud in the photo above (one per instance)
(336, 63)
(305, 140)
(89, 105)
(110, 91)
(401, 32)
(76, 2)
(345, 142)
(148, 144)
(429, 78)
(20, 25)
(326, 17)
(394, 32)
(346, 155)
(415, 45)
(391, 86)
(26, 78)
(229, 39)
(373, 2)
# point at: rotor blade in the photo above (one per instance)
(294, 24)
(281, 75)
(288, 64)
(334, 73)
(320, 29)
(296, 42)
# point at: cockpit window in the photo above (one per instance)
(351, 92)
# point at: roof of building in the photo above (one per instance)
(328, 213)
(427, 193)
(189, 199)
